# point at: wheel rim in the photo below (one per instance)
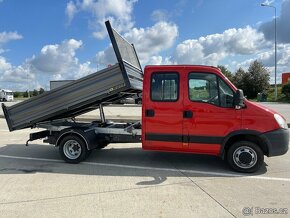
(72, 149)
(245, 157)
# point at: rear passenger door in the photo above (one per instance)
(163, 112)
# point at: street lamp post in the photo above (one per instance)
(266, 5)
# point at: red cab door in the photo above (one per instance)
(162, 110)
(209, 102)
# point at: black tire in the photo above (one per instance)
(88, 153)
(73, 149)
(138, 101)
(101, 145)
(245, 157)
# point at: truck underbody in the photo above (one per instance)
(94, 135)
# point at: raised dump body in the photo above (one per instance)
(85, 94)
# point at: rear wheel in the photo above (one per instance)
(245, 156)
(73, 149)
(102, 144)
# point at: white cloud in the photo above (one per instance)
(70, 11)
(152, 40)
(268, 2)
(159, 60)
(9, 36)
(106, 57)
(155, 60)
(84, 70)
(58, 58)
(268, 60)
(160, 15)
(59, 61)
(119, 12)
(213, 48)
(10, 73)
(54, 62)
(148, 42)
(4, 65)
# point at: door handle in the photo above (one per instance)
(149, 113)
(187, 114)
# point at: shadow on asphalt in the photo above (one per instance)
(116, 161)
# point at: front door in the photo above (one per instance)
(210, 100)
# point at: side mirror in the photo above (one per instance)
(239, 99)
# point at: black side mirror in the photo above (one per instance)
(239, 99)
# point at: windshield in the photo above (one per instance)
(9, 93)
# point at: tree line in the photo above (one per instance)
(27, 93)
(254, 80)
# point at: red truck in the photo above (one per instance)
(197, 109)
(185, 108)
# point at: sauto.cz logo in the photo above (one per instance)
(250, 211)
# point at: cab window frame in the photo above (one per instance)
(217, 79)
(177, 88)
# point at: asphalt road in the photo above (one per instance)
(124, 181)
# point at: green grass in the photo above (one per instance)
(21, 98)
(280, 97)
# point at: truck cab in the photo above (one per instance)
(197, 109)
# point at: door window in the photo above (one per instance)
(203, 87)
(226, 94)
(164, 87)
(208, 88)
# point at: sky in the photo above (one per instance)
(44, 40)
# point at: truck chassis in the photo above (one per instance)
(76, 140)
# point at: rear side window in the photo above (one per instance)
(164, 87)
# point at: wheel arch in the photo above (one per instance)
(71, 132)
(244, 135)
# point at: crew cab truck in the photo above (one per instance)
(197, 109)
(185, 108)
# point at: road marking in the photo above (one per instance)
(206, 173)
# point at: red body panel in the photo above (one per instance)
(210, 124)
(259, 118)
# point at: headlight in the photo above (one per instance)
(281, 122)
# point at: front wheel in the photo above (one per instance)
(245, 156)
(73, 149)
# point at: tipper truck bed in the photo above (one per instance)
(83, 95)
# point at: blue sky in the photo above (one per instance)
(53, 39)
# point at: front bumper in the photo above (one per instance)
(277, 142)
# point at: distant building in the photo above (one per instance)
(285, 78)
